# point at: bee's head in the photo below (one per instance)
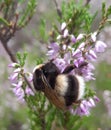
(37, 77)
(49, 70)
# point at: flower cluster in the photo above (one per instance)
(80, 52)
(84, 107)
(20, 89)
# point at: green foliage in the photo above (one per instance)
(22, 58)
(42, 30)
(3, 21)
(106, 13)
(27, 13)
(77, 16)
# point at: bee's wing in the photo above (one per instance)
(52, 95)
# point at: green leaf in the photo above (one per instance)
(3, 21)
(103, 9)
(21, 58)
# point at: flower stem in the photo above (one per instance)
(12, 57)
(58, 10)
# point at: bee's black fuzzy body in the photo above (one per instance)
(69, 88)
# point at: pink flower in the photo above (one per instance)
(80, 36)
(60, 63)
(29, 76)
(63, 26)
(85, 107)
(13, 65)
(13, 77)
(28, 91)
(77, 53)
(93, 36)
(53, 50)
(78, 62)
(18, 91)
(100, 46)
(91, 55)
(65, 33)
(73, 39)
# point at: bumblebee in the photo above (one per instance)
(62, 89)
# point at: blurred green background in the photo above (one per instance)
(13, 115)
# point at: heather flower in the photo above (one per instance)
(59, 37)
(13, 65)
(79, 37)
(18, 91)
(91, 55)
(53, 50)
(94, 36)
(63, 26)
(28, 91)
(73, 39)
(81, 46)
(60, 63)
(65, 33)
(100, 46)
(96, 99)
(78, 62)
(87, 72)
(67, 58)
(84, 108)
(13, 77)
(77, 53)
(29, 76)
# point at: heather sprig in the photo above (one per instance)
(20, 87)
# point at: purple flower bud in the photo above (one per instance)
(93, 36)
(17, 70)
(65, 33)
(77, 53)
(13, 77)
(53, 52)
(19, 84)
(60, 63)
(63, 26)
(28, 91)
(91, 55)
(91, 102)
(90, 67)
(59, 37)
(100, 46)
(81, 46)
(96, 98)
(79, 61)
(82, 110)
(79, 37)
(18, 91)
(67, 58)
(30, 77)
(73, 39)
(13, 65)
